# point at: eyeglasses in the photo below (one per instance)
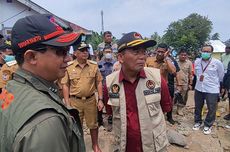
(60, 51)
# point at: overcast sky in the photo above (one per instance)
(143, 16)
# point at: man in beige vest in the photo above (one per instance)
(137, 96)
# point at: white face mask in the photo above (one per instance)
(108, 55)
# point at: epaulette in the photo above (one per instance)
(93, 62)
(70, 63)
(10, 63)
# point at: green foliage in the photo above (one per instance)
(156, 37)
(190, 32)
(95, 39)
(215, 36)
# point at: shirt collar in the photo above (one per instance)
(122, 77)
(76, 63)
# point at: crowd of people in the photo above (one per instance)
(47, 95)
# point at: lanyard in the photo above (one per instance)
(204, 68)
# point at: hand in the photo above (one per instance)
(100, 105)
(166, 54)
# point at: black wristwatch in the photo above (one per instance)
(100, 99)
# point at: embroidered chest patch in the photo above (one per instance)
(150, 84)
(115, 88)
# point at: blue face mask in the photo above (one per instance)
(205, 55)
(8, 58)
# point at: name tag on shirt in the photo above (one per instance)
(153, 91)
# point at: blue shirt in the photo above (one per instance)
(213, 75)
(106, 68)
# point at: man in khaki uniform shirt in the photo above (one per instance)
(80, 83)
(164, 63)
(185, 76)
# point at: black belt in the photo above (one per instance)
(82, 98)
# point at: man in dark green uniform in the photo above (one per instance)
(32, 116)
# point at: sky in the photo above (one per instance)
(143, 16)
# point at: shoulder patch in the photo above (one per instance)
(93, 62)
(6, 75)
(70, 63)
(7, 98)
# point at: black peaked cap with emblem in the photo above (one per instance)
(42, 29)
(134, 39)
(82, 45)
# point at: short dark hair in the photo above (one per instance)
(19, 56)
(208, 45)
(107, 47)
(107, 32)
(183, 50)
(163, 45)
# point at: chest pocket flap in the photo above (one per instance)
(153, 104)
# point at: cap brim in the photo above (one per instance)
(143, 43)
(80, 48)
(66, 39)
(139, 42)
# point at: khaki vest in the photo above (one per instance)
(151, 118)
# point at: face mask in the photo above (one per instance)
(8, 58)
(205, 55)
(108, 55)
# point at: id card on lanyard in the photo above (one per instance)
(203, 70)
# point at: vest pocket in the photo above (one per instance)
(160, 140)
(114, 102)
(153, 104)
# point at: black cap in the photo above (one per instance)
(34, 30)
(134, 39)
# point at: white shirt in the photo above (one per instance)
(213, 75)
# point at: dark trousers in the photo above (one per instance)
(211, 100)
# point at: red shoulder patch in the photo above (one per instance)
(7, 99)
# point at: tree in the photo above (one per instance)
(190, 32)
(95, 39)
(156, 37)
(227, 42)
(215, 36)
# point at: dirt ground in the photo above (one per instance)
(217, 141)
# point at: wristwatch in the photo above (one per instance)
(100, 99)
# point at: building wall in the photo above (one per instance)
(8, 10)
